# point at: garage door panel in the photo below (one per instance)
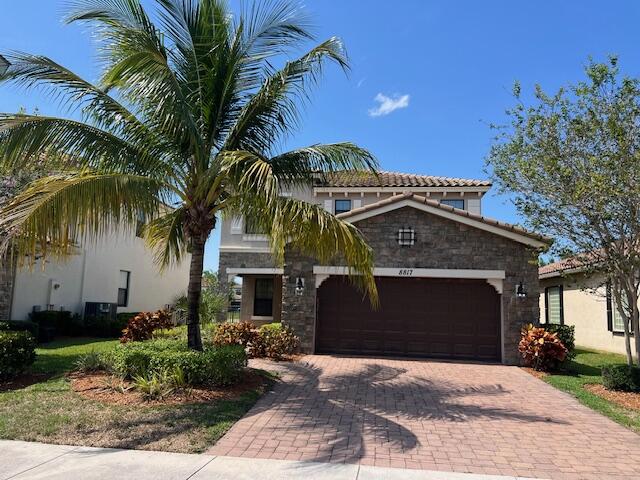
(444, 318)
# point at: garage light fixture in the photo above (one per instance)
(406, 237)
(520, 291)
(299, 286)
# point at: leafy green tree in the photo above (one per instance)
(183, 127)
(572, 162)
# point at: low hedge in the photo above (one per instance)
(21, 326)
(214, 366)
(73, 325)
(621, 377)
(17, 352)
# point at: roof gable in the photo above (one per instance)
(434, 207)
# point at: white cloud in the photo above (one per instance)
(388, 104)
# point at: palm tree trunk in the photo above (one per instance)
(193, 295)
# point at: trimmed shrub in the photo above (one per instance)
(21, 326)
(540, 349)
(17, 352)
(621, 377)
(242, 333)
(278, 342)
(566, 334)
(142, 326)
(271, 340)
(271, 327)
(105, 327)
(215, 366)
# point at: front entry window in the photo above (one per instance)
(263, 299)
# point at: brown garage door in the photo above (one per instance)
(446, 318)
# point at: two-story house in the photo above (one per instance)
(452, 283)
(117, 271)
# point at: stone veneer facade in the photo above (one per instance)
(440, 243)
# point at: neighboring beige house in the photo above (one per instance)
(452, 283)
(570, 296)
(118, 269)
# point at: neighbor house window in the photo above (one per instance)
(123, 288)
(455, 203)
(554, 305)
(140, 225)
(342, 206)
(615, 321)
(263, 299)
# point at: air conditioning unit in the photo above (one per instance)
(100, 310)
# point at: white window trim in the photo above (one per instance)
(255, 237)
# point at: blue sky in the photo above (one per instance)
(447, 68)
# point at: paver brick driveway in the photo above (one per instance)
(431, 415)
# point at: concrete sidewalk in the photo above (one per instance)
(31, 461)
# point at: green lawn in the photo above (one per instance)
(585, 369)
(50, 411)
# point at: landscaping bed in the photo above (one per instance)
(582, 378)
(106, 388)
(630, 400)
(51, 404)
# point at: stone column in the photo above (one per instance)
(7, 275)
(299, 311)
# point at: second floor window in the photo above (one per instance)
(251, 227)
(453, 202)
(123, 288)
(342, 206)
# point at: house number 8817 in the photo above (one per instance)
(405, 272)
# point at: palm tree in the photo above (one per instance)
(182, 128)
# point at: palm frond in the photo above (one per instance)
(137, 64)
(73, 144)
(35, 71)
(302, 165)
(165, 236)
(274, 110)
(270, 28)
(54, 213)
(310, 230)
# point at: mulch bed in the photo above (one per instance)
(23, 381)
(535, 373)
(106, 388)
(624, 399)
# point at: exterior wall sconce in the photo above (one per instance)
(520, 291)
(299, 286)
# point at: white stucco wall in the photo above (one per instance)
(586, 310)
(93, 276)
